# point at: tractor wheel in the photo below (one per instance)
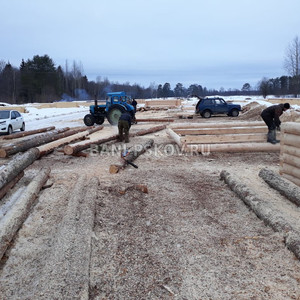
(114, 113)
(99, 120)
(89, 120)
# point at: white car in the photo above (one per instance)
(11, 120)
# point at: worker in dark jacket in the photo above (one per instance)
(271, 117)
(124, 126)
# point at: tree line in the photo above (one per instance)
(39, 80)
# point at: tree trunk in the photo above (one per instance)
(11, 184)
(18, 213)
(29, 132)
(75, 148)
(154, 120)
(133, 155)
(66, 274)
(289, 190)
(39, 140)
(19, 163)
(44, 149)
(24, 145)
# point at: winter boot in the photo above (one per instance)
(271, 137)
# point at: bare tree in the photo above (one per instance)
(292, 58)
(292, 65)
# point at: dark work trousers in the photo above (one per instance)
(123, 126)
(269, 120)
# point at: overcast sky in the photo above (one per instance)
(214, 43)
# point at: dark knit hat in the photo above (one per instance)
(286, 105)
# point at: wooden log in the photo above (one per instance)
(291, 160)
(291, 170)
(233, 147)
(67, 274)
(291, 178)
(223, 138)
(219, 131)
(291, 128)
(19, 163)
(149, 130)
(72, 149)
(133, 155)
(44, 149)
(289, 190)
(291, 139)
(217, 125)
(34, 142)
(15, 217)
(11, 184)
(175, 137)
(29, 132)
(154, 120)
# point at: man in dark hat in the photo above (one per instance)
(271, 117)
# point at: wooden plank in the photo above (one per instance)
(233, 147)
(194, 131)
(225, 138)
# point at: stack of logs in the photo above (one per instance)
(222, 137)
(290, 152)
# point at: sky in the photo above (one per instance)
(216, 43)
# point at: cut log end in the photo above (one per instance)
(114, 169)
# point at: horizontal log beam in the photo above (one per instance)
(225, 138)
(290, 159)
(291, 139)
(291, 128)
(290, 170)
(291, 178)
(291, 150)
(233, 147)
(217, 125)
(229, 130)
(154, 120)
(29, 132)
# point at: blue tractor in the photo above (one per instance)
(116, 104)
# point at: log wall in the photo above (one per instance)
(290, 152)
(223, 137)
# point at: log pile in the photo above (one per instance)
(222, 137)
(290, 152)
(19, 212)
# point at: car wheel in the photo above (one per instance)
(23, 127)
(9, 130)
(234, 113)
(206, 114)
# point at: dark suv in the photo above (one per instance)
(214, 106)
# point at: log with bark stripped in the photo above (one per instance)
(131, 156)
(44, 149)
(80, 146)
(154, 120)
(15, 217)
(29, 132)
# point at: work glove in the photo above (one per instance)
(278, 128)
